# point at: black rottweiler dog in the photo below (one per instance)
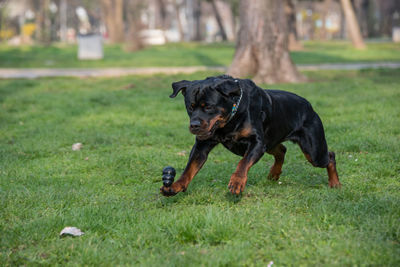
(249, 121)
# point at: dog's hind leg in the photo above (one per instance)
(331, 168)
(332, 172)
(313, 144)
(279, 154)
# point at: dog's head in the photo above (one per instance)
(208, 103)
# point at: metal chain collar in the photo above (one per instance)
(235, 106)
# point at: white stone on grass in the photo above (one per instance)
(72, 231)
(76, 146)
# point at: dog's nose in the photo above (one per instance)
(195, 125)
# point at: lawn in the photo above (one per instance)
(130, 130)
(186, 54)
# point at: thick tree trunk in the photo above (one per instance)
(290, 10)
(113, 17)
(134, 41)
(262, 44)
(352, 25)
(219, 20)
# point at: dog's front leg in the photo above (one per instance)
(197, 158)
(239, 177)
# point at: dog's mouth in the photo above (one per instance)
(209, 133)
(204, 136)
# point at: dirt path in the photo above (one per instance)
(7, 73)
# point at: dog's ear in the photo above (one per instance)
(179, 86)
(228, 87)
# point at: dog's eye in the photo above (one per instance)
(191, 107)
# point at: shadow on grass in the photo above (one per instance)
(233, 198)
(310, 57)
(14, 86)
(205, 60)
(34, 56)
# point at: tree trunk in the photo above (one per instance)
(290, 10)
(324, 13)
(352, 25)
(219, 20)
(134, 41)
(1, 18)
(197, 20)
(361, 12)
(162, 14)
(42, 20)
(262, 44)
(113, 17)
(63, 21)
(179, 21)
(3, 4)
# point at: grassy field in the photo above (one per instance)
(187, 54)
(130, 130)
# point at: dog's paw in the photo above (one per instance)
(335, 184)
(275, 172)
(167, 191)
(273, 176)
(171, 190)
(236, 184)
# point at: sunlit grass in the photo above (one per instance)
(186, 54)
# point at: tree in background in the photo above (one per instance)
(162, 17)
(42, 21)
(134, 25)
(219, 20)
(290, 11)
(197, 20)
(2, 16)
(262, 44)
(389, 11)
(194, 20)
(114, 19)
(352, 25)
(178, 20)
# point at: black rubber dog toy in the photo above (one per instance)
(168, 175)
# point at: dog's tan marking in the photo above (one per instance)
(183, 182)
(213, 121)
(189, 173)
(246, 131)
(279, 154)
(333, 176)
(332, 172)
(238, 179)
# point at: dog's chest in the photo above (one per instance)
(234, 143)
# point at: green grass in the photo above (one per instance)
(186, 54)
(170, 55)
(130, 130)
(343, 52)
